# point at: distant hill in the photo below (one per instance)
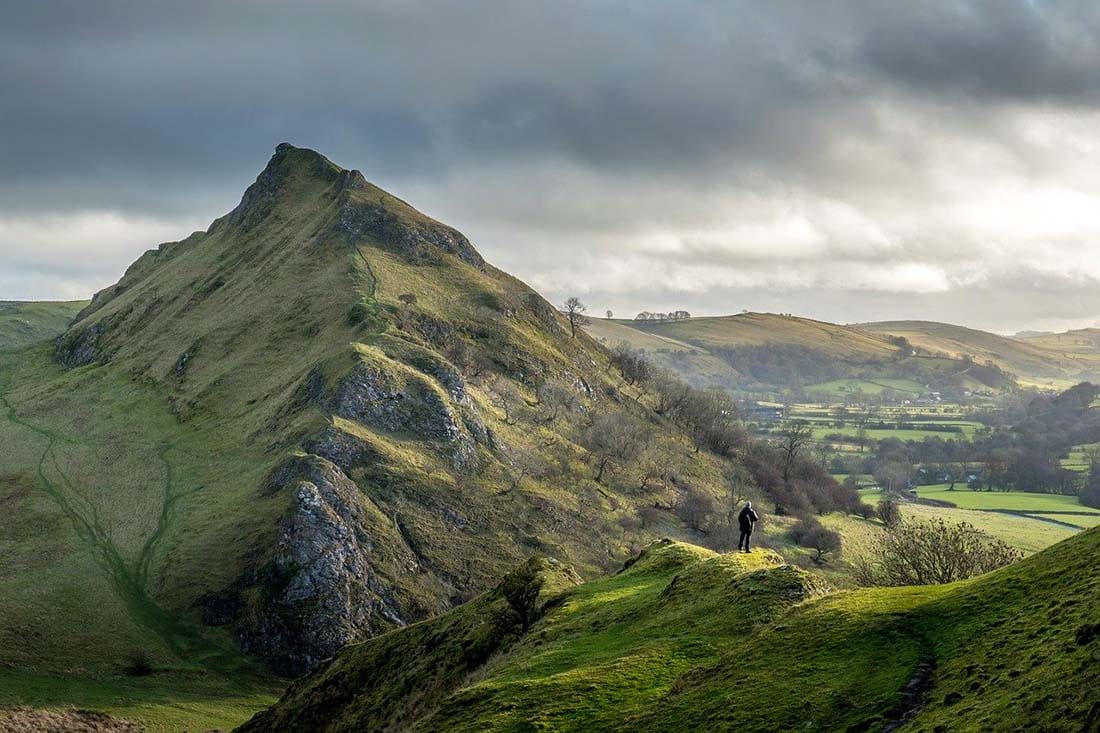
(1072, 356)
(768, 351)
(23, 323)
(694, 364)
(761, 351)
(756, 329)
(683, 639)
(1079, 347)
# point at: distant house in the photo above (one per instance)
(762, 412)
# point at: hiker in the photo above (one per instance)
(746, 519)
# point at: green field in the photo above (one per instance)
(164, 702)
(873, 387)
(1076, 460)
(1016, 501)
(1026, 533)
(1084, 521)
(1012, 517)
(849, 431)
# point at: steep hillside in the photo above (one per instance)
(685, 640)
(22, 324)
(322, 418)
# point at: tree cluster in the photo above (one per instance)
(932, 552)
(672, 316)
(809, 532)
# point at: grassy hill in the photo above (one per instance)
(694, 364)
(1061, 357)
(836, 359)
(686, 640)
(756, 329)
(22, 324)
(760, 351)
(323, 418)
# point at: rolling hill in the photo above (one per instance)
(1069, 358)
(769, 351)
(22, 324)
(760, 351)
(692, 363)
(321, 419)
(682, 639)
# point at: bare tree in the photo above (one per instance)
(888, 511)
(556, 397)
(812, 534)
(575, 311)
(631, 363)
(695, 508)
(794, 437)
(506, 397)
(656, 466)
(609, 314)
(524, 463)
(614, 440)
(650, 515)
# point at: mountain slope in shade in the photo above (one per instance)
(324, 417)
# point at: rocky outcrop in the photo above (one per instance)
(346, 451)
(79, 346)
(385, 399)
(319, 590)
(415, 239)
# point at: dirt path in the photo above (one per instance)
(914, 694)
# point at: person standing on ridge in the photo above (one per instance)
(747, 518)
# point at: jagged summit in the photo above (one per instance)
(301, 206)
(362, 209)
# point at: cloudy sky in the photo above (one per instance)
(848, 161)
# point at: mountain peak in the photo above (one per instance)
(294, 175)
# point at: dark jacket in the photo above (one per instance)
(746, 519)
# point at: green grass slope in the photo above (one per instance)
(755, 329)
(686, 640)
(22, 324)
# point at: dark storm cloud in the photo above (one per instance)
(824, 153)
(992, 50)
